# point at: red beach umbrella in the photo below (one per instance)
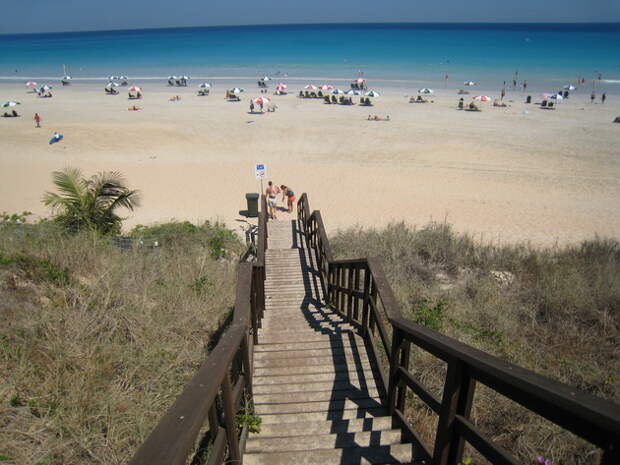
(482, 98)
(311, 87)
(31, 84)
(135, 89)
(262, 101)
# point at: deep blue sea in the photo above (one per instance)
(546, 55)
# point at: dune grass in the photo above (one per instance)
(96, 342)
(555, 311)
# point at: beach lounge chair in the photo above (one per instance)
(334, 99)
(320, 94)
(326, 99)
(543, 104)
(550, 105)
(313, 94)
(307, 94)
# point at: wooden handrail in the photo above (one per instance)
(226, 375)
(591, 418)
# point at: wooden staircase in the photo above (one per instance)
(316, 388)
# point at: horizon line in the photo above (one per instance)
(219, 26)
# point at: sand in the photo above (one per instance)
(504, 174)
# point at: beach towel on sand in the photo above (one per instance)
(56, 138)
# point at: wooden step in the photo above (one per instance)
(258, 444)
(309, 428)
(395, 453)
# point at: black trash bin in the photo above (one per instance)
(252, 200)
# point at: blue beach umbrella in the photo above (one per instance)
(204, 85)
(56, 138)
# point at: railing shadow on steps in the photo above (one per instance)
(221, 387)
(359, 290)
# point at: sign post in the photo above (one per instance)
(260, 171)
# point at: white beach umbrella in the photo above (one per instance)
(266, 78)
(184, 77)
(45, 88)
(109, 85)
(469, 83)
(122, 78)
(556, 97)
(236, 90)
(204, 85)
(112, 78)
(482, 98)
(135, 89)
(569, 87)
(31, 84)
(10, 103)
(425, 90)
(338, 92)
(262, 101)
(372, 93)
(311, 87)
(173, 77)
(354, 92)
(66, 78)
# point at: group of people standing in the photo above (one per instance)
(272, 192)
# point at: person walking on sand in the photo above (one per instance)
(272, 198)
(524, 86)
(592, 97)
(37, 120)
(603, 98)
(289, 195)
(503, 94)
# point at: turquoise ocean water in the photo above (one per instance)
(546, 55)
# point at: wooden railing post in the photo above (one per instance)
(366, 305)
(247, 363)
(393, 380)
(356, 286)
(457, 398)
(229, 420)
(404, 362)
(350, 296)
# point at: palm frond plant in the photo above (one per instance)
(90, 204)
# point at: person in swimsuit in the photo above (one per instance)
(289, 195)
(272, 199)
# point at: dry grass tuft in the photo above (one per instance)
(97, 342)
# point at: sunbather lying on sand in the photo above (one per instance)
(134, 108)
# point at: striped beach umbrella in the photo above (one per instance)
(311, 87)
(325, 87)
(135, 89)
(482, 98)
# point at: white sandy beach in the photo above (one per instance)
(506, 176)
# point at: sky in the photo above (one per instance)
(34, 16)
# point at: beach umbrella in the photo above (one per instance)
(556, 97)
(469, 83)
(426, 90)
(236, 90)
(10, 103)
(569, 87)
(266, 78)
(109, 85)
(353, 92)
(311, 87)
(262, 101)
(45, 88)
(113, 78)
(338, 92)
(546, 96)
(360, 80)
(184, 77)
(123, 78)
(204, 85)
(282, 86)
(372, 93)
(173, 77)
(66, 78)
(325, 87)
(482, 98)
(31, 84)
(135, 89)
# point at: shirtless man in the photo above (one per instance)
(272, 197)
